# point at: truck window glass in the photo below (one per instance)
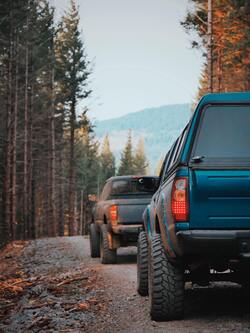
(105, 191)
(168, 162)
(224, 133)
(120, 187)
(134, 185)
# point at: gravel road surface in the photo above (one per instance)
(72, 293)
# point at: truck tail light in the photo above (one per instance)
(179, 202)
(113, 212)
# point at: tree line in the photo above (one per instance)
(132, 161)
(47, 151)
(49, 156)
(230, 43)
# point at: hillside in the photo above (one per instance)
(159, 126)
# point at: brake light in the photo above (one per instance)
(113, 212)
(179, 202)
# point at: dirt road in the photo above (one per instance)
(67, 291)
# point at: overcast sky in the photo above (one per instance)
(141, 54)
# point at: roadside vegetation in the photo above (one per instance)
(230, 43)
(50, 160)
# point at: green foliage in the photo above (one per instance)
(230, 46)
(107, 162)
(43, 75)
(133, 163)
(72, 66)
(127, 160)
(72, 72)
(86, 156)
(140, 161)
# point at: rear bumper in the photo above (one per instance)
(218, 243)
(123, 229)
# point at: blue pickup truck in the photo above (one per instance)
(197, 226)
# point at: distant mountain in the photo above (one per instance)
(159, 126)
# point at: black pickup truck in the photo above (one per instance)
(117, 216)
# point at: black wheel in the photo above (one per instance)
(94, 241)
(166, 285)
(142, 264)
(107, 256)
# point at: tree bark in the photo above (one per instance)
(31, 189)
(52, 158)
(72, 171)
(210, 45)
(25, 152)
(14, 142)
(61, 187)
(7, 169)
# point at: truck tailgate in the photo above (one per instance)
(130, 210)
(219, 199)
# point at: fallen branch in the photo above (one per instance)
(79, 278)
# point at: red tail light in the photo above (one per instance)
(113, 212)
(179, 204)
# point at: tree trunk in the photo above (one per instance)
(61, 188)
(7, 169)
(72, 171)
(210, 45)
(52, 161)
(31, 207)
(80, 231)
(14, 140)
(25, 152)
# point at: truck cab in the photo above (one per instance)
(197, 226)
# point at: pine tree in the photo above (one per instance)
(73, 80)
(140, 161)
(107, 162)
(231, 43)
(87, 163)
(127, 160)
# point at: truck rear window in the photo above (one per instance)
(224, 132)
(134, 185)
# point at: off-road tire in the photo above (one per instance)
(142, 264)
(166, 287)
(94, 240)
(107, 256)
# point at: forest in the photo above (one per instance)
(50, 159)
(51, 163)
(224, 40)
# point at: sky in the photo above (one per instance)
(140, 53)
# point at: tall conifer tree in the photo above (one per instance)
(107, 162)
(127, 160)
(231, 43)
(140, 160)
(73, 81)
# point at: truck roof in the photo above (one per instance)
(233, 97)
(130, 177)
